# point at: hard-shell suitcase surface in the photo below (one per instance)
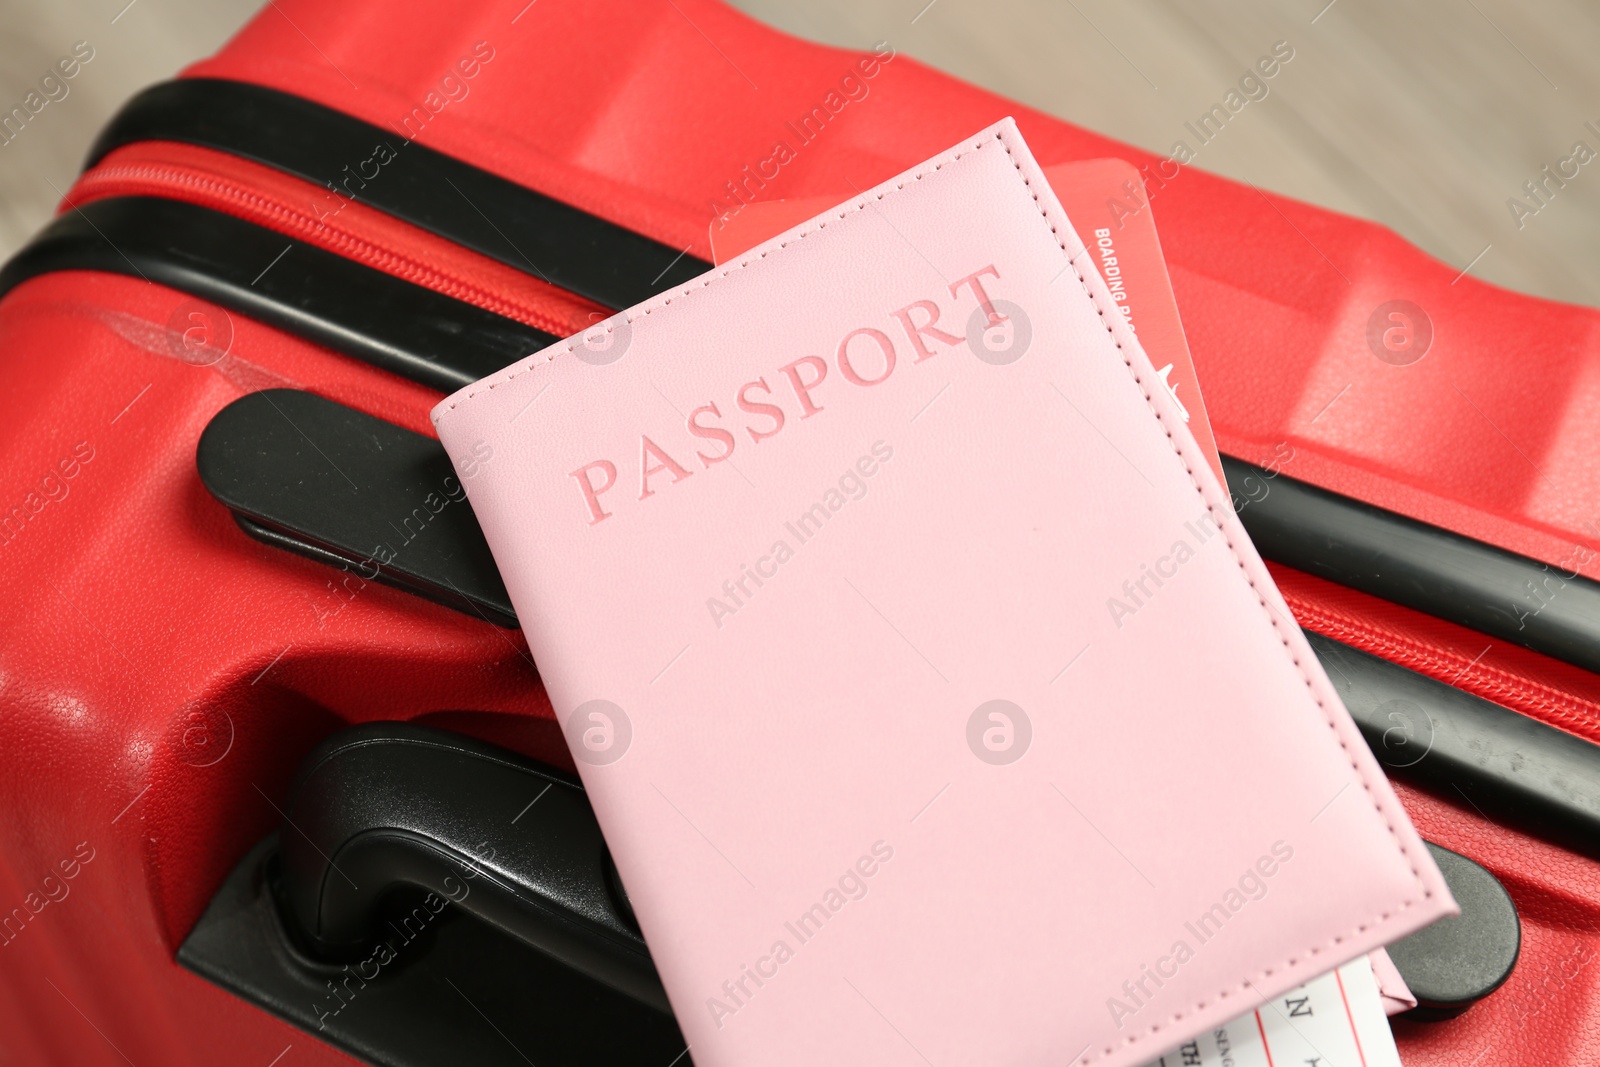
(374, 203)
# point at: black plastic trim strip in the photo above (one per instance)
(1430, 569)
(1460, 746)
(304, 290)
(530, 231)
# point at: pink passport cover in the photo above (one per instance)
(950, 717)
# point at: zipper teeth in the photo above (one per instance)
(1535, 699)
(323, 234)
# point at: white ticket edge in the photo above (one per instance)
(1336, 1020)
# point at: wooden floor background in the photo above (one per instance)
(1424, 115)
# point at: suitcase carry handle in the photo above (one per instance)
(402, 811)
(456, 991)
(256, 458)
(384, 813)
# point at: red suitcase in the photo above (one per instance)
(381, 167)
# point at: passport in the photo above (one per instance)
(933, 702)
